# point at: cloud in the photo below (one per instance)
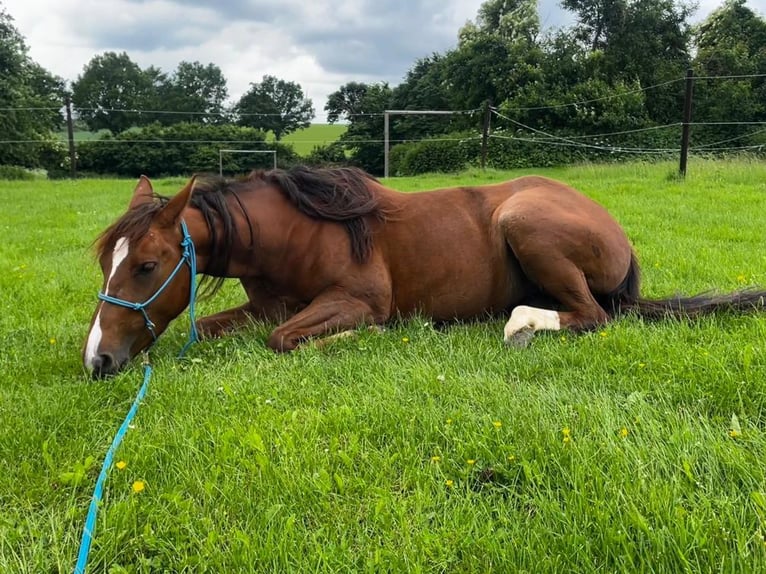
(320, 44)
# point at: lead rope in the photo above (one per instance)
(190, 256)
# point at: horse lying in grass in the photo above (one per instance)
(325, 250)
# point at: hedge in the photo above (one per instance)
(180, 149)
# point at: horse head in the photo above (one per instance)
(141, 256)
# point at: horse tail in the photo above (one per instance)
(626, 299)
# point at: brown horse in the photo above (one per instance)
(325, 250)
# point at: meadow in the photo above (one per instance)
(639, 447)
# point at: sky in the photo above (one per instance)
(320, 44)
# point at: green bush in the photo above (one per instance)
(180, 149)
(513, 150)
(12, 172)
(330, 154)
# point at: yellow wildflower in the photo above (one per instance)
(566, 432)
(511, 458)
(497, 424)
(139, 486)
(603, 334)
(449, 421)
(450, 483)
(52, 341)
(567, 439)
(734, 433)
(436, 458)
(624, 432)
(471, 461)
(405, 339)
(121, 465)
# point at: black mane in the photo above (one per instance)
(331, 194)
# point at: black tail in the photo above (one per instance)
(626, 299)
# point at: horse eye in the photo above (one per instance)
(146, 268)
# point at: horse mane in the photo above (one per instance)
(132, 225)
(341, 195)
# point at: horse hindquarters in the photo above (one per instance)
(572, 250)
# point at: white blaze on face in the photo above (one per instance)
(119, 254)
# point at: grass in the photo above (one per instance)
(639, 447)
(305, 140)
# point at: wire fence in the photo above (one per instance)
(498, 126)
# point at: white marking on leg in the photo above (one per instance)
(524, 317)
(119, 254)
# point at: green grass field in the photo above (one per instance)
(636, 448)
(305, 140)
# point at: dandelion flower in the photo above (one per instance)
(139, 486)
(497, 424)
(405, 339)
(511, 458)
(449, 421)
(436, 458)
(741, 278)
(624, 432)
(121, 465)
(450, 483)
(52, 341)
(567, 439)
(603, 334)
(471, 461)
(566, 432)
(734, 433)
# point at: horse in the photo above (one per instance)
(320, 251)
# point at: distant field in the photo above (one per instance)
(303, 141)
(639, 447)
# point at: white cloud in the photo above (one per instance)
(321, 44)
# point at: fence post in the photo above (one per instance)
(385, 144)
(485, 132)
(70, 137)
(687, 121)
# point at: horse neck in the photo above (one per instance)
(200, 235)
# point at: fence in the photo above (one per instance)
(498, 125)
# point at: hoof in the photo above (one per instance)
(520, 338)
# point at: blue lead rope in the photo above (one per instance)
(90, 521)
(188, 256)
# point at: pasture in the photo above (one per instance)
(637, 447)
(305, 140)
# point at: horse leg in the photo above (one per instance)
(262, 305)
(225, 321)
(562, 263)
(331, 311)
(569, 287)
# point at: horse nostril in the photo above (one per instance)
(103, 365)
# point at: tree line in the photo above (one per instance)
(618, 68)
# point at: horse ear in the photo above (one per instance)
(171, 213)
(143, 193)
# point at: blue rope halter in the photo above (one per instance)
(189, 256)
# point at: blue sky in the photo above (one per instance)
(321, 44)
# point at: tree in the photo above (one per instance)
(194, 88)
(731, 41)
(496, 55)
(275, 105)
(31, 97)
(112, 90)
(618, 29)
(362, 106)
